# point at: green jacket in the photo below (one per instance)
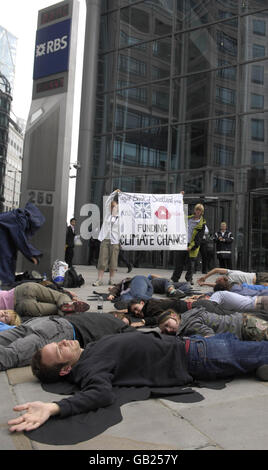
(197, 236)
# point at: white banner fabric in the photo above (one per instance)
(152, 222)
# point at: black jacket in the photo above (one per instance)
(91, 326)
(132, 360)
(224, 247)
(153, 307)
(70, 234)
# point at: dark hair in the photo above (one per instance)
(73, 218)
(46, 374)
(222, 284)
(133, 302)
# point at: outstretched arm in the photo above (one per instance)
(202, 279)
(37, 413)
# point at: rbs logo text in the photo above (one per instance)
(51, 46)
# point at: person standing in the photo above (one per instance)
(109, 247)
(69, 243)
(224, 239)
(187, 258)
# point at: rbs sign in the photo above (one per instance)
(52, 49)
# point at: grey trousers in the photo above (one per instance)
(34, 300)
(17, 345)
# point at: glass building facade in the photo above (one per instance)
(5, 105)
(182, 104)
(8, 51)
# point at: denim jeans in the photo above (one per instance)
(224, 355)
(140, 287)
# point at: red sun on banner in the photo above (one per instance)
(162, 213)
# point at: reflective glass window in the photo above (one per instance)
(223, 183)
(252, 138)
(106, 72)
(190, 182)
(203, 95)
(197, 13)
(190, 145)
(200, 49)
(259, 27)
(257, 74)
(104, 113)
(257, 129)
(108, 31)
(101, 156)
(144, 151)
(258, 50)
(257, 101)
(253, 36)
(153, 110)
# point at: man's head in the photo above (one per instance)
(136, 306)
(223, 226)
(73, 221)
(56, 360)
(222, 283)
(169, 322)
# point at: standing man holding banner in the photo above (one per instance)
(187, 258)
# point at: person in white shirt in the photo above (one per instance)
(109, 247)
(234, 276)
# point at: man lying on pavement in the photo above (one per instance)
(156, 361)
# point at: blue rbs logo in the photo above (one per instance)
(52, 49)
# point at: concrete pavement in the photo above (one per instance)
(235, 417)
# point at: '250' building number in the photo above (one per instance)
(41, 198)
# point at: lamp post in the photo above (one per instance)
(14, 184)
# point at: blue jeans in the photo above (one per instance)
(224, 355)
(140, 287)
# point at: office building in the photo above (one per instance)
(181, 102)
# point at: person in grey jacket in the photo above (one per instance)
(199, 321)
(17, 345)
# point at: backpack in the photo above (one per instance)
(72, 279)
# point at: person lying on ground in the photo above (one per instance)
(240, 303)
(237, 277)
(17, 345)
(156, 361)
(222, 283)
(148, 311)
(259, 287)
(198, 321)
(130, 288)
(9, 319)
(144, 287)
(32, 299)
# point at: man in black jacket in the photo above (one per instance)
(156, 361)
(69, 243)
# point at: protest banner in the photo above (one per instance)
(152, 222)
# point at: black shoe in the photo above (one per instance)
(176, 294)
(262, 373)
(129, 268)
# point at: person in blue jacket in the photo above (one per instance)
(16, 228)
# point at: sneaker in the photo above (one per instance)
(262, 373)
(97, 283)
(111, 282)
(178, 294)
